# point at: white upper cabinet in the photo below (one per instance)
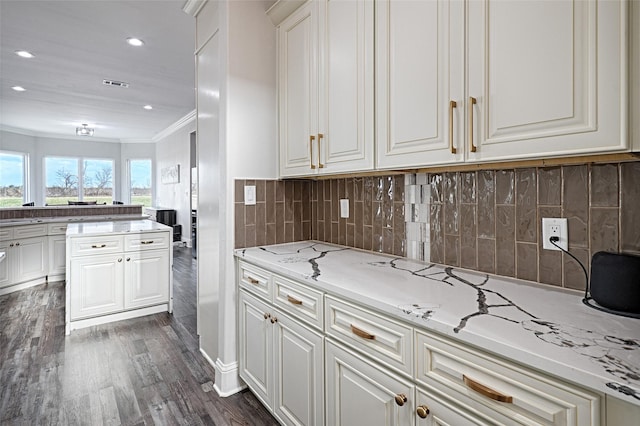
(499, 80)
(548, 78)
(419, 72)
(326, 88)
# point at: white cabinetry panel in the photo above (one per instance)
(96, 285)
(146, 278)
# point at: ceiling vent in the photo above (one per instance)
(115, 83)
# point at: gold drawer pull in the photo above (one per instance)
(294, 301)
(98, 246)
(422, 411)
(253, 281)
(401, 399)
(486, 391)
(452, 105)
(361, 333)
(320, 165)
(146, 242)
(472, 102)
(311, 139)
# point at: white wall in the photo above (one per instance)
(171, 150)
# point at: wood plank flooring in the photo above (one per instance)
(141, 371)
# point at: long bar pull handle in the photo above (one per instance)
(253, 281)
(361, 333)
(311, 139)
(146, 242)
(98, 246)
(320, 165)
(486, 391)
(472, 102)
(293, 300)
(452, 105)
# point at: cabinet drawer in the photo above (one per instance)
(373, 334)
(6, 234)
(255, 279)
(499, 388)
(146, 241)
(56, 228)
(96, 245)
(298, 300)
(30, 231)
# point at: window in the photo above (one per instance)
(140, 182)
(13, 179)
(66, 181)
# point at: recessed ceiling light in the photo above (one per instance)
(135, 41)
(147, 107)
(24, 54)
(18, 88)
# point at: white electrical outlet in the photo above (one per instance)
(555, 227)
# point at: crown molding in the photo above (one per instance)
(187, 119)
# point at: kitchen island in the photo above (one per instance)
(475, 348)
(117, 270)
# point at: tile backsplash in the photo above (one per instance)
(485, 220)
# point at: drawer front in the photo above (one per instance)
(298, 300)
(6, 234)
(499, 388)
(30, 231)
(87, 246)
(255, 279)
(146, 241)
(373, 334)
(56, 228)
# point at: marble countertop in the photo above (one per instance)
(59, 219)
(84, 229)
(540, 326)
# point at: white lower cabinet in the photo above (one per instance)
(146, 278)
(26, 260)
(57, 258)
(435, 410)
(281, 360)
(361, 393)
(97, 285)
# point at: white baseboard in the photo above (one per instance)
(227, 381)
(22, 286)
(134, 313)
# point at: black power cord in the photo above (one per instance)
(588, 300)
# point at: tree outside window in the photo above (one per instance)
(65, 181)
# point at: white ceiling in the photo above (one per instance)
(79, 43)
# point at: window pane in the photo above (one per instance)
(11, 179)
(97, 181)
(140, 184)
(61, 180)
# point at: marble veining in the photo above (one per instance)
(545, 328)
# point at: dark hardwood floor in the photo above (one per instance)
(141, 371)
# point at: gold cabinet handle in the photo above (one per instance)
(472, 102)
(486, 391)
(422, 411)
(311, 139)
(17, 244)
(146, 242)
(401, 399)
(119, 260)
(253, 281)
(98, 246)
(361, 333)
(293, 300)
(274, 320)
(128, 259)
(452, 105)
(320, 165)
(11, 245)
(267, 315)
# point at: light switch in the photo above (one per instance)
(249, 195)
(344, 208)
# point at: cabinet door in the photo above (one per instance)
(419, 71)
(548, 77)
(299, 373)
(346, 85)
(255, 346)
(57, 255)
(31, 259)
(359, 393)
(298, 92)
(96, 285)
(434, 410)
(5, 265)
(146, 281)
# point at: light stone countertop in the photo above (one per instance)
(84, 229)
(540, 326)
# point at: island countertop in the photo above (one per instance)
(540, 326)
(114, 227)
